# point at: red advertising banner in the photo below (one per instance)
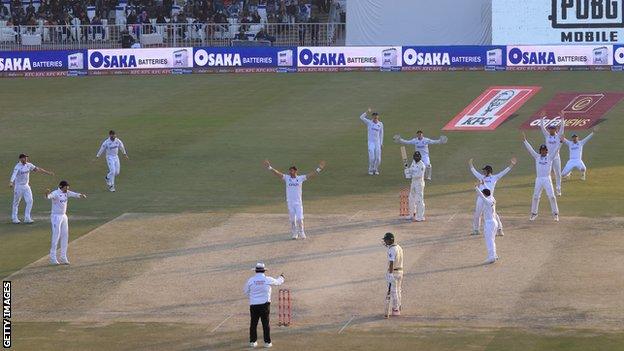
(491, 108)
(581, 110)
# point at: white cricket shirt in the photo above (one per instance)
(258, 288)
(59, 201)
(111, 147)
(21, 173)
(293, 188)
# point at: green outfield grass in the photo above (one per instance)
(196, 143)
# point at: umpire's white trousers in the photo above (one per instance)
(60, 232)
(113, 168)
(572, 164)
(417, 200)
(395, 289)
(557, 170)
(489, 234)
(374, 156)
(476, 221)
(544, 183)
(19, 192)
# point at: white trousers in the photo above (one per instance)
(425, 159)
(572, 164)
(374, 156)
(417, 201)
(60, 232)
(395, 289)
(544, 183)
(476, 221)
(19, 192)
(489, 234)
(557, 170)
(113, 168)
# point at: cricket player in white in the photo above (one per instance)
(294, 202)
(576, 155)
(111, 146)
(543, 181)
(421, 144)
(375, 140)
(490, 224)
(394, 274)
(552, 138)
(58, 219)
(20, 179)
(416, 172)
(487, 181)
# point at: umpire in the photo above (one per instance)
(258, 289)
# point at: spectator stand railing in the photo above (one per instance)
(67, 37)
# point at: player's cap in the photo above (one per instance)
(487, 168)
(63, 183)
(419, 132)
(22, 156)
(574, 135)
(260, 268)
(543, 146)
(388, 237)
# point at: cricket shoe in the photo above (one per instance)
(16, 221)
(64, 261)
(533, 216)
(28, 221)
(583, 177)
(500, 233)
(293, 236)
(490, 260)
(253, 344)
(558, 191)
(371, 173)
(396, 312)
(376, 172)
(419, 219)
(111, 188)
(54, 262)
(556, 217)
(302, 235)
(269, 345)
(475, 232)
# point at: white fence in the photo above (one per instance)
(59, 37)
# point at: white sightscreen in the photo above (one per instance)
(419, 22)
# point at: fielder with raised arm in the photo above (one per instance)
(375, 140)
(490, 222)
(416, 172)
(58, 219)
(111, 146)
(543, 181)
(552, 138)
(20, 179)
(421, 144)
(394, 273)
(487, 181)
(294, 202)
(576, 155)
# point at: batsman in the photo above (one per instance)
(394, 275)
(416, 172)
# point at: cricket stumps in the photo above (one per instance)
(284, 308)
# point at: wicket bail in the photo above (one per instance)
(284, 308)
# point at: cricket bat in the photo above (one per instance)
(404, 156)
(387, 309)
